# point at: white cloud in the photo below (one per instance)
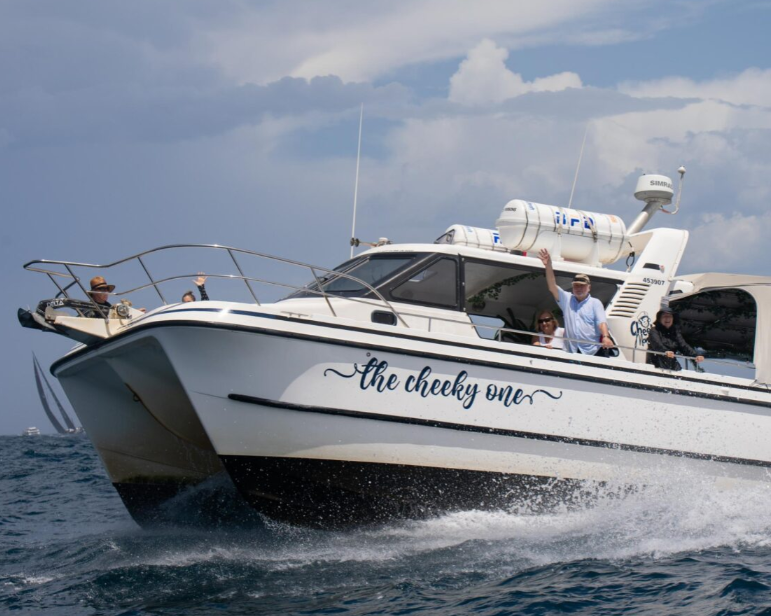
(367, 40)
(708, 136)
(483, 78)
(729, 242)
(750, 87)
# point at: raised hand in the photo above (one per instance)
(545, 257)
(200, 281)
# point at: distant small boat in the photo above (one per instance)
(31, 431)
(39, 380)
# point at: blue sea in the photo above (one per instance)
(69, 547)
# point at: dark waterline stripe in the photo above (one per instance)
(430, 423)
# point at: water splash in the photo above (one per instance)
(70, 547)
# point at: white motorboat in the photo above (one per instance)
(31, 431)
(403, 383)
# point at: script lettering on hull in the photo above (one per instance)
(375, 375)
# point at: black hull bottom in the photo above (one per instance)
(336, 494)
(212, 503)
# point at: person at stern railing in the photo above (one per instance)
(665, 337)
(583, 314)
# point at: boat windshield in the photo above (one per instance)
(373, 270)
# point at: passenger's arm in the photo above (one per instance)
(550, 279)
(602, 325)
(656, 344)
(606, 340)
(686, 349)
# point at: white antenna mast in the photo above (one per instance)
(356, 185)
(578, 166)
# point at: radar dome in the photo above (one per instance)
(654, 188)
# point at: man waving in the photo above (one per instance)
(584, 315)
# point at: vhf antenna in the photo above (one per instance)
(354, 241)
(578, 166)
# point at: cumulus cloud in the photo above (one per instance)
(750, 87)
(484, 78)
(729, 242)
(363, 41)
(121, 112)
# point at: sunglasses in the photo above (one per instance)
(542, 321)
(101, 289)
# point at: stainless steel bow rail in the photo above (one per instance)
(328, 276)
(155, 284)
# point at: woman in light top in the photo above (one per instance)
(550, 333)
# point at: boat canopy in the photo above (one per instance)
(728, 315)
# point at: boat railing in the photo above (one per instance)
(43, 266)
(498, 332)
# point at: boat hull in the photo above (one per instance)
(127, 397)
(339, 493)
(321, 429)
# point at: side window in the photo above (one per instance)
(506, 295)
(434, 285)
(370, 271)
(487, 327)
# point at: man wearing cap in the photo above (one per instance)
(584, 315)
(99, 293)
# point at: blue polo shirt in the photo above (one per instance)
(582, 321)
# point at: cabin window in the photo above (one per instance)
(434, 285)
(722, 322)
(370, 271)
(512, 295)
(487, 327)
(373, 270)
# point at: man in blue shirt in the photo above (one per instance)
(584, 315)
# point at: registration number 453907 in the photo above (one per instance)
(654, 281)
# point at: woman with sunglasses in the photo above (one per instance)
(549, 332)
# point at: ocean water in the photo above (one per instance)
(68, 546)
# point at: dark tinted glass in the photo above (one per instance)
(435, 285)
(371, 271)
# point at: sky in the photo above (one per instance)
(126, 126)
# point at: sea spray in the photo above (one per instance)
(679, 544)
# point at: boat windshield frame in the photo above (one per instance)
(347, 271)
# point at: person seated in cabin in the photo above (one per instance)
(584, 315)
(549, 332)
(199, 282)
(665, 337)
(99, 293)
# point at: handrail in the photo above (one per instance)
(251, 279)
(313, 268)
(229, 249)
(747, 365)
